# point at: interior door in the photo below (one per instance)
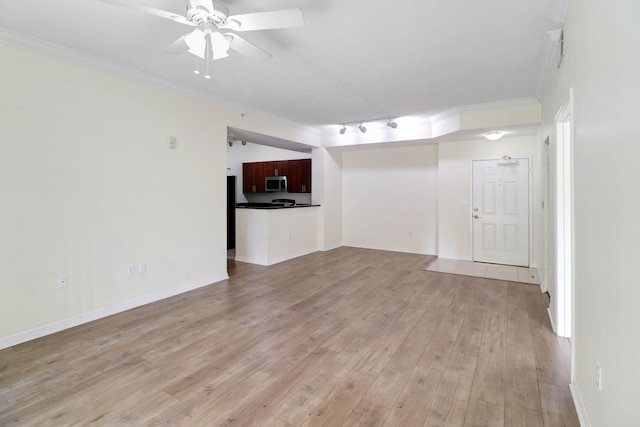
(500, 211)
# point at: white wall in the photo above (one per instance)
(454, 187)
(267, 236)
(327, 191)
(90, 187)
(601, 64)
(389, 198)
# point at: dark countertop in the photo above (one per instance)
(270, 206)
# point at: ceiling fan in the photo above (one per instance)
(210, 18)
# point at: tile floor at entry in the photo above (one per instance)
(489, 271)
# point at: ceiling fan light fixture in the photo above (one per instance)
(197, 43)
(494, 136)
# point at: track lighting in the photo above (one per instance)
(391, 123)
(232, 140)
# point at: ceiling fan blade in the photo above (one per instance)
(150, 10)
(177, 47)
(247, 49)
(286, 18)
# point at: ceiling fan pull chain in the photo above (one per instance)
(208, 54)
(196, 71)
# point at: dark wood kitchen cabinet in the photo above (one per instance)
(277, 168)
(298, 173)
(253, 175)
(299, 176)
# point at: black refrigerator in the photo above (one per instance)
(231, 212)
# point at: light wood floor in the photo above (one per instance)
(343, 338)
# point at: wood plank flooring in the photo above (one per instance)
(349, 337)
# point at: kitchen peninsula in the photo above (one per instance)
(277, 222)
(268, 234)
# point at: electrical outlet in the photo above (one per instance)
(598, 377)
(62, 282)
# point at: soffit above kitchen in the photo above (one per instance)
(351, 61)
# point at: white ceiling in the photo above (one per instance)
(353, 60)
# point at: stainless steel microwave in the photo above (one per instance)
(275, 183)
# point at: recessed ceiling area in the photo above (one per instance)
(351, 61)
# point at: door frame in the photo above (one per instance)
(564, 219)
(529, 183)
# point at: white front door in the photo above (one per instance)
(500, 211)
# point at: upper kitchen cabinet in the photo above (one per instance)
(298, 173)
(277, 168)
(253, 175)
(299, 176)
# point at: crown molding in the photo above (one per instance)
(79, 58)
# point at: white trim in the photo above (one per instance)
(387, 248)
(330, 248)
(552, 321)
(79, 58)
(544, 287)
(583, 416)
(270, 262)
(497, 105)
(61, 325)
(564, 223)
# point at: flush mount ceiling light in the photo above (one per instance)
(494, 136)
(362, 128)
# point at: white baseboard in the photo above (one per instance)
(552, 320)
(387, 248)
(583, 418)
(61, 325)
(276, 260)
(288, 257)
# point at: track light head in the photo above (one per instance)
(362, 128)
(244, 142)
(392, 125)
(230, 143)
(343, 130)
